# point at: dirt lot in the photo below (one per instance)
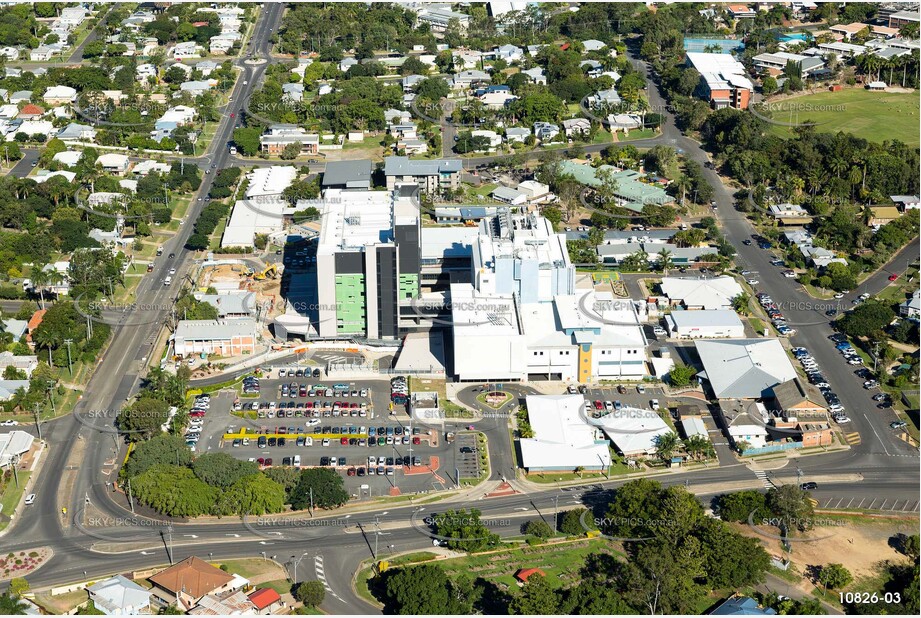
(859, 545)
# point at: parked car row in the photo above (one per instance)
(399, 391)
(314, 409)
(818, 379)
(846, 349)
(200, 407)
(777, 317)
(250, 385)
(299, 372)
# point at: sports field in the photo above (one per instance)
(875, 116)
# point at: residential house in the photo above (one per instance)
(536, 75)
(196, 87)
(9, 53)
(142, 168)
(293, 92)
(24, 363)
(739, 11)
(577, 127)
(20, 96)
(145, 71)
(16, 328)
(185, 583)
(114, 163)
(397, 116)
(188, 49)
(911, 308)
(517, 134)
(34, 128)
(347, 63)
(467, 79)
(775, 64)
(591, 68)
(68, 158)
(119, 596)
(820, 257)
(229, 603)
(220, 45)
(279, 136)
(173, 118)
(75, 132)
(495, 140)
(205, 67)
(847, 31)
(605, 98)
(8, 390)
(742, 606)
(497, 99)
(591, 45)
(789, 214)
(60, 95)
(266, 601)
(546, 131)
(509, 53)
(31, 112)
(881, 215)
(432, 176)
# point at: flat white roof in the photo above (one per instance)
(354, 219)
(704, 318)
(270, 180)
(562, 437)
(482, 315)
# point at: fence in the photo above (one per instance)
(774, 448)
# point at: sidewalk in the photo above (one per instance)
(34, 471)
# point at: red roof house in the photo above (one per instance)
(265, 600)
(30, 111)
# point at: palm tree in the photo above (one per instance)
(698, 446)
(40, 279)
(666, 444)
(665, 260)
(12, 606)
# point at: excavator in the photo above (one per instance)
(271, 271)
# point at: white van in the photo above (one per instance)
(297, 461)
(168, 280)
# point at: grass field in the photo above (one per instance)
(11, 496)
(875, 116)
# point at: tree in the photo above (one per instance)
(143, 418)
(570, 522)
(537, 597)
(681, 375)
(311, 593)
(835, 576)
(740, 303)
(221, 470)
(174, 491)
(538, 528)
(19, 586)
(866, 319)
(791, 506)
(286, 476)
(664, 261)
(324, 485)
(11, 605)
(162, 449)
(253, 494)
(739, 505)
(666, 445)
(292, 151)
(464, 530)
(423, 589)
(247, 140)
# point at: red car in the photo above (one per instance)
(344, 441)
(260, 461)
(893, 277)
(598, 405)
(416, 440)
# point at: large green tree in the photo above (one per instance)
(325, 485)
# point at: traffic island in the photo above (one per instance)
(22, 563)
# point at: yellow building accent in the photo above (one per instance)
(585, 363)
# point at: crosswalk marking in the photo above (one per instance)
(852, 438)
(321, 576)
(763, 477)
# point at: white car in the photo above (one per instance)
(640, 389)
(753, 282)
(654, 403)
(842, 420)
(9, 423)
(313, 421)
(30, 500)
(839, 296)
(658, 330)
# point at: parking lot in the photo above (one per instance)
(467, 456)
(377, 451)
(613, 397)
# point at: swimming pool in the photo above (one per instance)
(725, 46)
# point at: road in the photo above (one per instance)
(26, 163)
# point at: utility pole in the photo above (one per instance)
(51, 385)
(70, 365)
(38, 422)
(377, 534)
(169, 546)
(311, 501)
(130, 499)
(13, 465)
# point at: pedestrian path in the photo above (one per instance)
(763, 477)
